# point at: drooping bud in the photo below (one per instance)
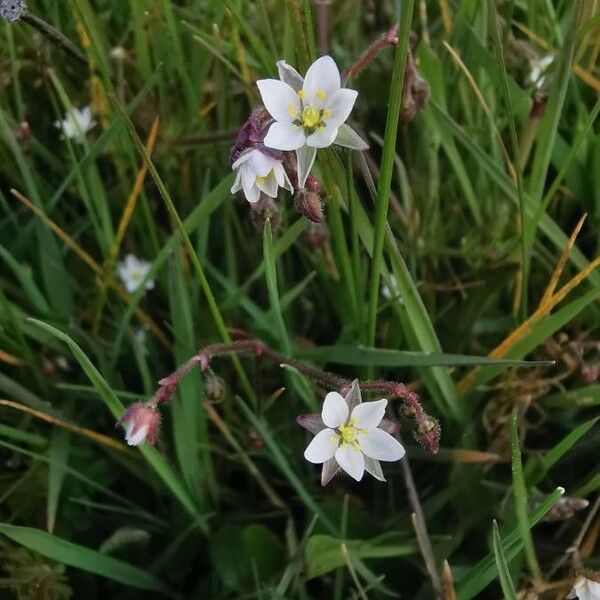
(415, 91)
(265, 209)
(214, 387)
(141, 422)
(428, 434)
(565, 508)
(315, 236)
(308, 200)
(252, 134)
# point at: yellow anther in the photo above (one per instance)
(301, 94)
(292, 109)
(262, 179)
(321, 95)
(326, 113)
(349, 433)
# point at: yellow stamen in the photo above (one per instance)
(311, 117)
(292, 109)
(321, 95)
(349, 433)
(301, 94)
(262, 179)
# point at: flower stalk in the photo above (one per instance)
(427, 429)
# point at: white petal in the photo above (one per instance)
(289, 75)
(380, 445)
(305, 157)
(322, 447)
(268, 186)
(351, 460)
(323, 137)
(369, 414)
(321, 82)
(138, 437)
(373, 467)
(261, 164)
(281, 176)
(248, 177)
(284, 136)
(237, 184)
(340, 105)
(280, 100)
(242, 158)
(348, 138)
(252, 194)
(335, 410)
(329, 471)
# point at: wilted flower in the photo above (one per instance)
(538, 68)
(309, 113)
(351, 435)
(133, 271)
(76, 124)
(257, 172)
(12, 10)
(141, 422)
(585, 589)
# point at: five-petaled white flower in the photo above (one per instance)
(76, 124)
(309, 113)
(259, 172)
(585, 589)
(133, 271)
(351, 435)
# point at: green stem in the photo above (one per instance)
(387, 164)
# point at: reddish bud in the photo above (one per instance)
(141, 422)
(428, 434)
(308, 203)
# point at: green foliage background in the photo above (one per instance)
(235, 511)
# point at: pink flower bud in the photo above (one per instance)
(141, 423)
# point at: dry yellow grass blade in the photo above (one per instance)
(446, 16)
(92, 264)
(560, 267)
(584, 75)
(88, 433)
(9, 359)
(462, 455)
(132, 200)
(542, 311)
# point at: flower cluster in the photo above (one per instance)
(277, 146)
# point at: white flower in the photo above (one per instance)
(133, 271)
(351, 436)
(258, 172)
(538, 68)
(585, 589)
(76, 124)
(141, 422)
(309, 113)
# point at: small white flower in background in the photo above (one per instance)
(12, 10)
(390, 290)
(585, 589)
(538, 69)
(76, 124)
(351, 435)
(309, 112)
(132, 272)
(258, 172)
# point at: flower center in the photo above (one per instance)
(349, 433)
(312, 118)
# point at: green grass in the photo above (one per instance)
(464, 224)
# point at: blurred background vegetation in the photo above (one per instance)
(490, 180)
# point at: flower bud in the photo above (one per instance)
(308, 203)
(428, 434)
(214, 387)
(315, 236)
(141, 422)
(252, 134)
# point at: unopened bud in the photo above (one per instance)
(315, 236)
(141, 422)
(252, 134)
(565, 508)
(214, 387)
(415, 91)
(308, 203)
(428, 434)
(265, 209)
